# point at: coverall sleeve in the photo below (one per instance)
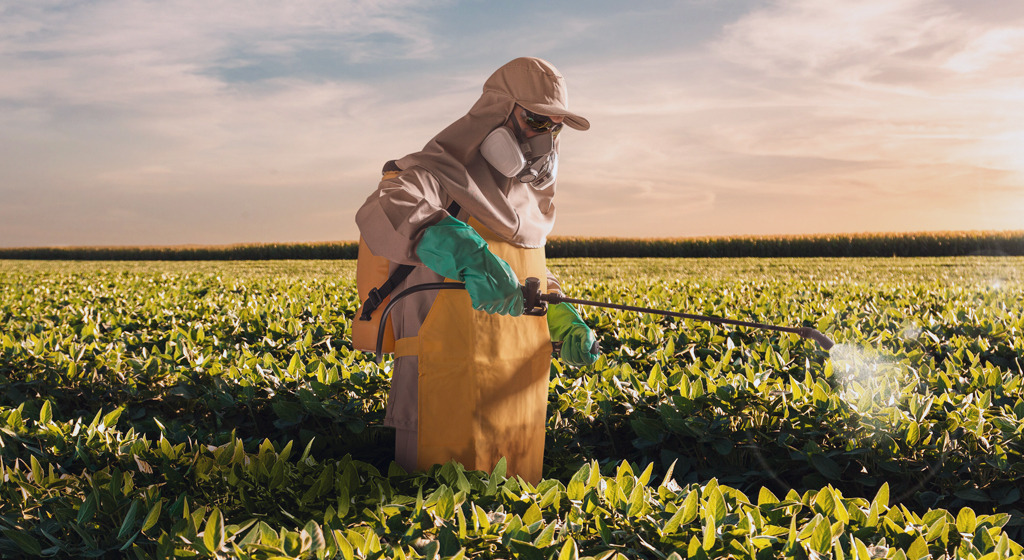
(553, 285)
(393, 218)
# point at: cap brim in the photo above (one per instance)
(571, 119)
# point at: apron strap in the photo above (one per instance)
(408, 346)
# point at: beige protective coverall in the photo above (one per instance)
(483, 393)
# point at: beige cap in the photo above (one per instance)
(538, 86)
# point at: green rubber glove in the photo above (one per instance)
(566, 326)
(455, 250)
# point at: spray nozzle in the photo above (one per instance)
(816, 335)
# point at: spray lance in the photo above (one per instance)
(536, 304)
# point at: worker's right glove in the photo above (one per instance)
(455, 250)
(566, 326)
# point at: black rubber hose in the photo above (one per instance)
(396, 298)
(379, 354)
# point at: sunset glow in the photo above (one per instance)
(125, 122)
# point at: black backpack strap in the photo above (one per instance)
(454, 209)
(377, 295)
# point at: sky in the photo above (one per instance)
(134, 122)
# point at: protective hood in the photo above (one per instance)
(514, 211)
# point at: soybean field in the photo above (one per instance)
(217, 409)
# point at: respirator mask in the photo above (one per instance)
(530, 160)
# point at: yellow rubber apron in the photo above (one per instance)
(483, 378)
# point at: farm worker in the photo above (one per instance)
(471, 372)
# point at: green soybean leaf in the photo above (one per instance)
(716, 506)
(882, 497)
(130, 541)
(569, 550)
(821, 538)
(709, 534)
(110, 420)
(861, 549)
(918, 550)
(966, 521)
(445, 507)
(672, 525)
(577, 485)
(825, 501)
(972, 495)
(88, 509)
(37, 470)
(546, 536)
(826, 466)
(723, 446)
(532, 515)
(286, 452)
(602, 529)
(251, 536)
(129, 520)
(45, 415)
(793, 534)
(766, 498)
(636, 501)
(347, 551)
(645, 477)
(668, 473)
(305, 452)
(937, 529)
(24, 541)
(595, 474)
(291, 543)
(694, 547)
(913, 433)
(153, 516)
(316, 535)
(499, 469)
(689, 508)
(213, 534)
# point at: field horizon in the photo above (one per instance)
(897, 244)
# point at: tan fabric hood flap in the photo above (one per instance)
(515, 211)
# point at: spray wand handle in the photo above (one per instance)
(536, 303)
(803, 332)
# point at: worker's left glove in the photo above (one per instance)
(455, 250)
(566, 326)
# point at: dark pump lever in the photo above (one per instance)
(533, 303)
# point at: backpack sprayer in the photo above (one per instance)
(536, 303)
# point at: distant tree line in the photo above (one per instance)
(242, 252)
(936, 244)
(931, 244)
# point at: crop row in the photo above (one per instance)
(155, 374)
(158, 500)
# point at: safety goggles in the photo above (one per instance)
(540, 123)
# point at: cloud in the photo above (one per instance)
(883, 115)
(996, 49)
(121, 52)
(899, 71)
(178, 122)
(117, 124)
(839, 41)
